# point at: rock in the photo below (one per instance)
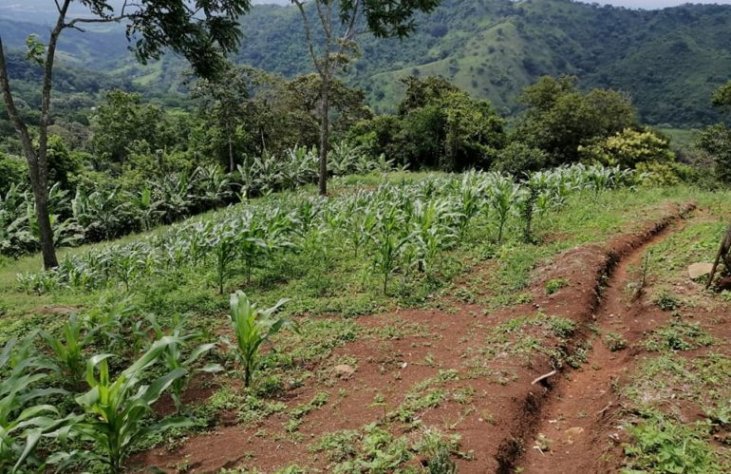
(344, 370)
(572, 433)
(699, 270)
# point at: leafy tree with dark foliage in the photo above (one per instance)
(559, 118)
(203, 31)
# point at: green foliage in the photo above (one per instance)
(438, 126)
(177, 355)
(678, 336)
(13, 172)
(252, 328)
(116, 410)
(24, 419)
(628, 148)
(661, 445)
(518, 157)
(552, 286)
(722, 97)
(68, 351)
(122, 123)
(716, 141)
(560, 119)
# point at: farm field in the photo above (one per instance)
(425, 322)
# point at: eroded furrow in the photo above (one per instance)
(577, 425)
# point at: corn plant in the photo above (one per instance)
(116, 410)
(174, 357)
(223, 241)
(502, 194)
(68, 351)
(252, 327)
(388, 239)
(433, 230)
(23, 422)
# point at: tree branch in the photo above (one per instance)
(308, 35)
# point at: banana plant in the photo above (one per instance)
(117, 410)
(252, 327)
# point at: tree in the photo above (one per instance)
(120, 121)
(560, 118)
(438, 126)
(224, 99)
(332, 45)
(202, 31)
(716, 140)
(722, 97)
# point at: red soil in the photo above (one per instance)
(498, 422)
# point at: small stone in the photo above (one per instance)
(699, 270)
(573, 433)
(344, 370)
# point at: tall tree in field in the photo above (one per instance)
(331, 30)
(225, 99)
(202, 31)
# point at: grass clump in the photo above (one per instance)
(552, 286)
(667, 301)
(374, 449)
(615, 342)
(659, 444)
(678, 336)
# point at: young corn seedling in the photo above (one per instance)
(174, 357)
(224, 244)
(503, 194)
(252, 328)
(68, 351)
(389, 240)
(23, 422)
(116, 410)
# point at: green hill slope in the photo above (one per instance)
(669, 61)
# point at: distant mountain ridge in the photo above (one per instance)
(669, 61)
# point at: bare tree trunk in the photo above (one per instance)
(230, 153)
(324, 133)
(38, 161)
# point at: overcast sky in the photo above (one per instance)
(655, 3)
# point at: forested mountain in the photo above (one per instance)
(669, 61)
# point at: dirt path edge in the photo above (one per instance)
(511, 450)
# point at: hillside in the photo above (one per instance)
(669, 61)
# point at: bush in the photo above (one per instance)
(519, 158)
(629, 148)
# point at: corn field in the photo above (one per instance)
(396, 228)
